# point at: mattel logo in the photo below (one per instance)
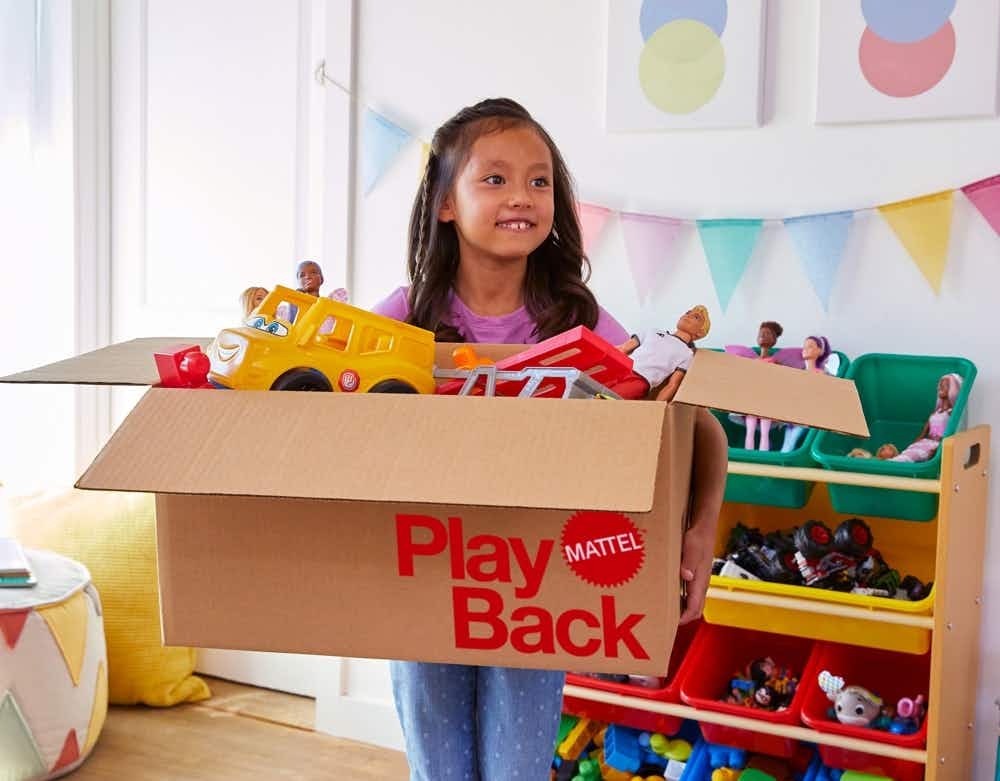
(602, 548)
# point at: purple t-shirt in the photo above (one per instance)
(514, 328)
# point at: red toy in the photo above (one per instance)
(183, 366)
(579, 348)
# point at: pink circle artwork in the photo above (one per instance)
(902, 70)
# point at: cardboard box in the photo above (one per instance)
(537, 533)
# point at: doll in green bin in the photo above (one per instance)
(929, 439)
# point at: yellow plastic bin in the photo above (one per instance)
(784, 609)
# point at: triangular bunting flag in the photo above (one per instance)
(820, 240)
(99, 712)
(68, 623)
(592, 221)
(985, 196)
(648, 241)
(728, 245)
(923, 225)
(70, 752)
(20, 758)
(380, 143)
(11, 625)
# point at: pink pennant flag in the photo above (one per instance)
(648, 241)
(593, 218)
(985, 196)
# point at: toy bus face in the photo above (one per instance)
(333, 345)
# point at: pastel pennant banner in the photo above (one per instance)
(648, 241)
(820, 240)
(923, 226)
(381, 142)
(592, 221)
(728, 245)
(985, 196)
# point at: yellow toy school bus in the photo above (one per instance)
(296, 341)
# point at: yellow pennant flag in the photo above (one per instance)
(425, 153)
(923, 225)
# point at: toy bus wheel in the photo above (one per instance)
(392, 386)
(302, 380)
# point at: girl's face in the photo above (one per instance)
(502, 202)
(259, 295)
(811, 350)
(766, 338)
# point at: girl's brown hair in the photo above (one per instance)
(555, 292)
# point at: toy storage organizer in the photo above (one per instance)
(931, 646)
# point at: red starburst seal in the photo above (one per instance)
(602, 548)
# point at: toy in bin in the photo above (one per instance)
(763, 684)
(587, 749)
(814, 555)
(928, 440)
(858, 707)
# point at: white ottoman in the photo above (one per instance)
(53, 671)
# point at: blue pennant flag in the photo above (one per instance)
(820, 241)
(728, 245)
(380, 143)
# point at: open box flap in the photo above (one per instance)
(127, 363)
(600, 455)
(734, 384)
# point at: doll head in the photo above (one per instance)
(948, 388)
(768, 333)
(695, 323)
(251, 297)
(816, 348)
(310, 277)
(886, 452)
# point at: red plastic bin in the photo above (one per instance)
(633, 717)
(888, 674)
(720, 651)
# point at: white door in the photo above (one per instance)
(222, 147)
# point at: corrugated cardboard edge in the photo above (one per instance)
(125, 363)
(728, 382)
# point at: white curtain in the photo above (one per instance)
(37, 281)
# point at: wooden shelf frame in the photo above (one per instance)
(955, 621)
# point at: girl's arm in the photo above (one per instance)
(708, 484)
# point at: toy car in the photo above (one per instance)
(296, 341)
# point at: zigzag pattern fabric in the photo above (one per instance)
(53, 671)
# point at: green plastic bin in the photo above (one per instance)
(898, 394)
(771, 490)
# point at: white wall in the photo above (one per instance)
(419, 62)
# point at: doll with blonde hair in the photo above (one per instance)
(251, 298)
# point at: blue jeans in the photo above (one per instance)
(465, 723)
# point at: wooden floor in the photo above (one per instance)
(241, 733)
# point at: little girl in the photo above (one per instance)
(495, 255)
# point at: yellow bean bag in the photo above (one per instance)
(113, 535)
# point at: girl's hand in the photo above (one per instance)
(696, 568)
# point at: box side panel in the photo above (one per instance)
(445, 584)
(496, 452)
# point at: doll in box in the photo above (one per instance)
(661, 357)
